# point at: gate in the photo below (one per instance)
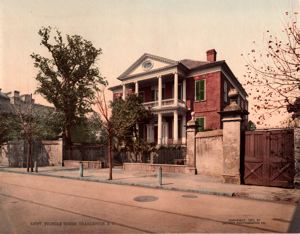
(269, 158)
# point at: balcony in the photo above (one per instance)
(165, 103)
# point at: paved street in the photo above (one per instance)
(171, 181)
(40, 204)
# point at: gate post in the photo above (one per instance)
(297, 151)
(295, 108)
(232, 118)
(191, 144)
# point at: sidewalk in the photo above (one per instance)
(171, 181)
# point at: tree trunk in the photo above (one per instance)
(68, 143)
(28, 156)
(110, 157)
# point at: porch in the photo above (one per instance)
(166, 128)
(159, 92)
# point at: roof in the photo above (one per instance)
(5, 105)
(143, 57)
(3, 96)
(188, 65)
(191, 64)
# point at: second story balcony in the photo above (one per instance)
(165, 92)
(165, 103)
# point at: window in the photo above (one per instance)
(225, 92)
(180, 91)
(200, 124)
(200, 90)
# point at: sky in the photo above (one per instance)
(126, 29)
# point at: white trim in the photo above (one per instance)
(233, 84)
(150, 76)
(142, 59)
(225, 91)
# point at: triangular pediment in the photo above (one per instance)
(147, 63)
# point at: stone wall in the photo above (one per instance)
(53, 150)
(46, 153)
(148, 167)
(86, 164)
(4, 156)
(209, 153)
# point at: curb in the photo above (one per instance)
(200, 191)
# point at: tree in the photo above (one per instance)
(103, 118)
(122, 124)
(32, 124)
(273, 75)
(90, 130)
(68, 79)
(8, 128)
(251, 126)
(126, 117)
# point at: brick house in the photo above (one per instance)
(175, 89)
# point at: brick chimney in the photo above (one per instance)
(211, 55)
(16, 94)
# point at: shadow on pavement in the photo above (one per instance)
(295, 224)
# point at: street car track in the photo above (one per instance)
(120, 204)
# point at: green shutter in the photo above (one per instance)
(200, 124)
(197, 90)
(200, 90)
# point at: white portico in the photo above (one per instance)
(163, 87)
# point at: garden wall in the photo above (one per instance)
(209, 153)
(46, 153)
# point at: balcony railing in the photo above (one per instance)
(164, 103)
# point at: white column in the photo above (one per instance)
(159, 91)
(175, 127)
(124, 92)
(175, 88)
(137, 87)
(159, 128)
(183, 129)
(184, 90)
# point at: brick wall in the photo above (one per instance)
(210, 107)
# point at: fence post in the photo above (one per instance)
(81, 169)
(295, 108)
(35, 166)
(159, 176)
(232, 117)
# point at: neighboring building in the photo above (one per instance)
(175, 89)
(8, 102)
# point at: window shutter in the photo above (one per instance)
(200, 124)
(197, 90)
(202, 89)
